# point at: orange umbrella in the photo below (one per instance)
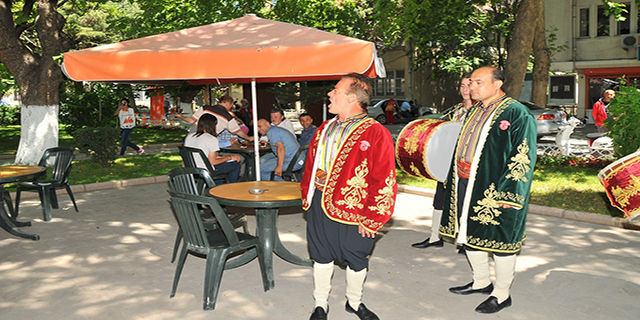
(235, 51)
(247, 49)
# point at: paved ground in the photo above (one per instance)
(111, 261)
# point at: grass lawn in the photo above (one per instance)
(10, 137)
(571, 188)
(554, 185)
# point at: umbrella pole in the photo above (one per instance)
(256, 140)
(324, 110)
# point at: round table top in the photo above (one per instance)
(283, 193)
(15, 173)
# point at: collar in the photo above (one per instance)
(493, 102)
(352, 118)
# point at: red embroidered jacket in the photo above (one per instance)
(361, 183)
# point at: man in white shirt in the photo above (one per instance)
(278, 120)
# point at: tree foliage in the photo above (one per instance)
(91, 104)
(624, 119)
(449, 36)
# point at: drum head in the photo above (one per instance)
(440, 151)
(425, 148)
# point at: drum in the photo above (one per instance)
(425, 148)
(621, 180)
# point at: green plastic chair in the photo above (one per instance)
(6, 196)
(189, 154)
(61, 158)
(217, 245)
(294, 175)
(196, 181)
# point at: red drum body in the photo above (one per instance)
(621, 179)
(425, 148)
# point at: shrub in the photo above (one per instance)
(573, 161)
(625, 111)
(100, 142)
(9, 115)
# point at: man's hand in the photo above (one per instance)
(505, 206)
(233, 141)
(365, 233)
(278, 171)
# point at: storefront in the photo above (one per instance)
(601, 79)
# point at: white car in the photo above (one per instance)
(376, 110)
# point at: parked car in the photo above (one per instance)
(376, 109)
(549, 121)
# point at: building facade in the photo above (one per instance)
(599, 51)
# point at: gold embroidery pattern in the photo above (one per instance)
(415, 169)
(385, 200)
(492, 244)
(450, 228)
(337, 169)
(520, 165)
(355, 190)
(518, 198)
(488, 207)
(622, 195)
(411, 143)
(503, 105)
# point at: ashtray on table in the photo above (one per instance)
(257, 191)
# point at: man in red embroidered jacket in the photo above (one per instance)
(349, 189)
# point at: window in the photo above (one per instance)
(638, 21)
(399, 83)
(391, 86)
(379, 89)
(624, 27)
(603, 23)
(584, 22)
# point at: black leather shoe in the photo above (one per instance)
(363, 313)
(427, 244)
(468, 289)
(318, 314)
(491, 305)
(461, 250)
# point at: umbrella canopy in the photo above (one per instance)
(234, 51)
(247, 49)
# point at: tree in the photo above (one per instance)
(541, 64)
(520, 48)
(31, 43)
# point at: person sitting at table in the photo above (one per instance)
(205, 140)
(284, 146)
(244, 113)
(228, 128)
(223, 143)
(309, 129)
(278, 120)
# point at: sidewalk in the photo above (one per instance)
(111, 260)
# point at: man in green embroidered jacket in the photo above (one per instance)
(487, 190)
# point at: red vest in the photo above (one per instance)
(361, 183)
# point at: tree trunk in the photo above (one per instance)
(38, 76)
(38, 132)
(541, 63)
(520, 48)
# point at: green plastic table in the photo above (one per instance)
(278, 194)
(10, 174)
